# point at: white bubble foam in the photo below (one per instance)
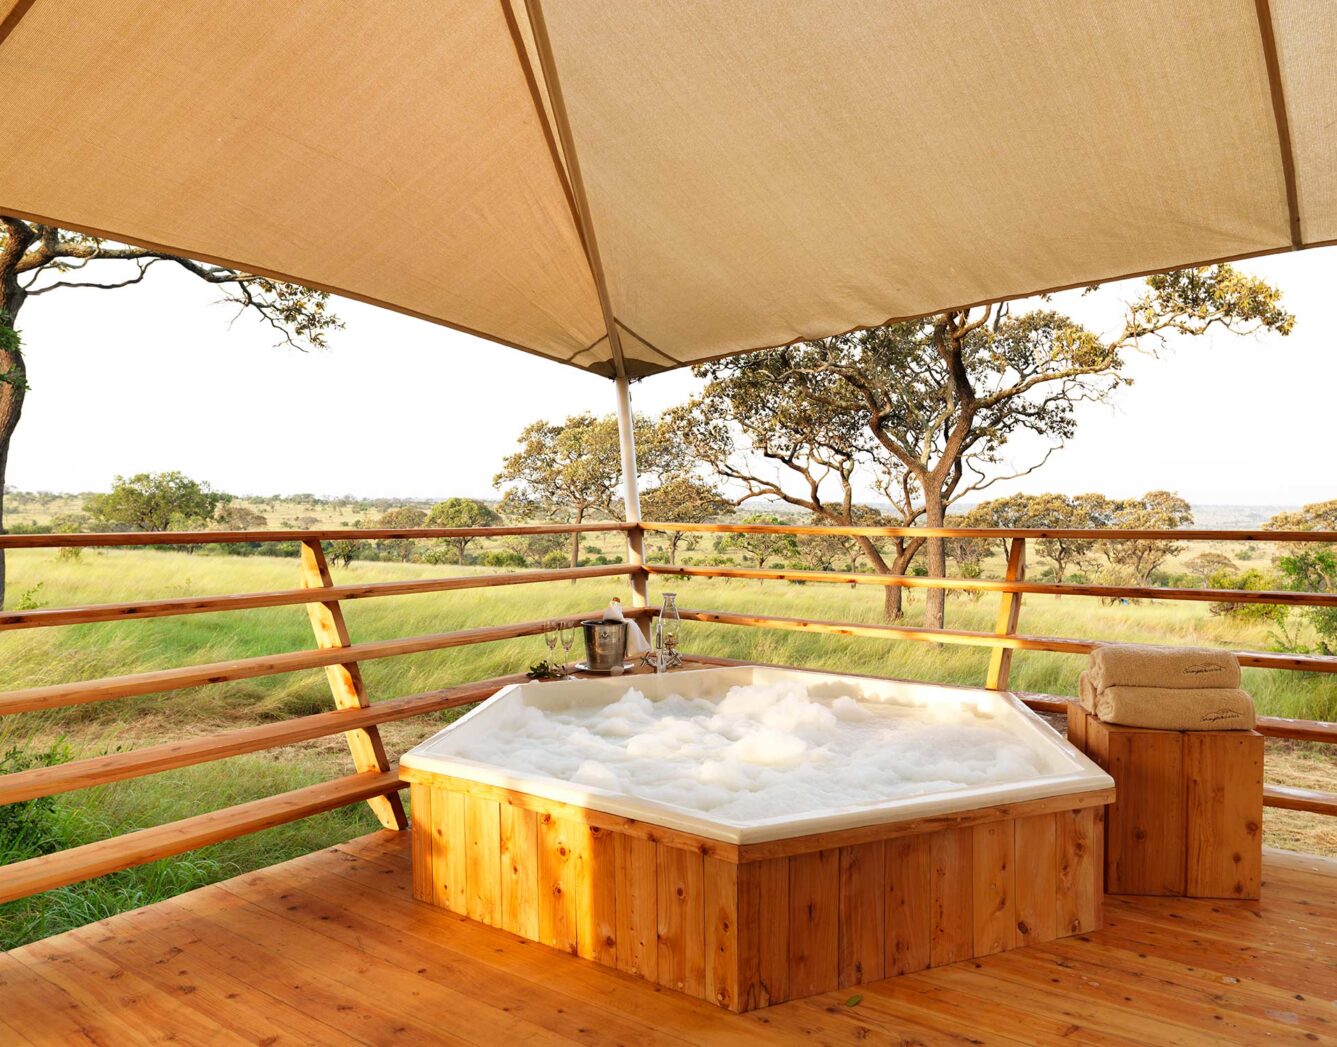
(763, 751)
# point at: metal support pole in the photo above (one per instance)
(631, 497)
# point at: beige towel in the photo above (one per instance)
(1139, 665)
(1086, 692)
(1176, 709)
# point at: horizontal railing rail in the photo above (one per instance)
(118, 612)
(1109, 534)
(1285, 597)
(336, 534)
(355, 716)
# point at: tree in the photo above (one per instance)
(461, 512)
(762, 548)
(1057, 511)
(155, 502)
(403, 518)
(824, 552)
(1156, 510)
(1206, 566)
(1311, 566)
(683, 499)
(567, 471)
(926, 407)
(755, 427)
(38, 259)
(237, 517)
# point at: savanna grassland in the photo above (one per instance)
(36, 657)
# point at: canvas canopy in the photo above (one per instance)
(694, 178)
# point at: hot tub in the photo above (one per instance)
(751, 835)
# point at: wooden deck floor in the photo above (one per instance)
(331, 948)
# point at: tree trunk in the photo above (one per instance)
(673, 539)
(13, 372)
(892, 595)
(575, 540)
(935, 552)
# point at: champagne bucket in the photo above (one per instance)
(605, 644)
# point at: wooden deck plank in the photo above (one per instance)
(332, 947)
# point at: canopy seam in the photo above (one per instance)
(1267, 32)
(563, 120)
(13, 18)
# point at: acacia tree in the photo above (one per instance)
(461, 512)
(762, 435)
(1058, 511)
(37, 259)
(762, 548)
(683, 499)
(155, 502)
(1155, 510)
(928, 406)
(568, 471)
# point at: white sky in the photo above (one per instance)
(154, 377)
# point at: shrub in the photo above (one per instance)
(555, 559)
(503, 558)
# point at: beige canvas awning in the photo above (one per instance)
(704, 178)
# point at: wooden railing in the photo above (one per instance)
(375, 779)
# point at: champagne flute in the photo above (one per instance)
(567, 632)
(550, 636)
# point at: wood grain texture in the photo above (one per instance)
(450, 887)
(1036, 854)
(482, 862)
(863, 913)
(909, 906)
(721, 887)
(557, 882)
(763, 933)
(1224, 807)
(331, 948)
(637, 890)
(1078, 874)
(420, 807)
(596, 898)
(814, 922)
(1146, 824)
(994, 886)
(681, 935)
(345, 680)
(519, 856)
(952, 896)
(1009, 616)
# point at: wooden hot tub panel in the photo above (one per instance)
(749, 925)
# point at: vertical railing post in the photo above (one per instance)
(631, 499)
(346, 686)
(1009, 613)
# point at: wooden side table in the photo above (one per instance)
(1187, 819)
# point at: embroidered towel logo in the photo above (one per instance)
(1220, 714)
(1202, 669)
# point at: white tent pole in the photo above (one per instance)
(631, 495)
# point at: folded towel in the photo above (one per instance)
(1139, 665)
(1086, 692)
(1176, 708)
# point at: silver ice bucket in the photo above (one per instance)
(605, 645)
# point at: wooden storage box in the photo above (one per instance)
(1188, 811)
(748, 925)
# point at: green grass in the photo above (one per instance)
(36, 657)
